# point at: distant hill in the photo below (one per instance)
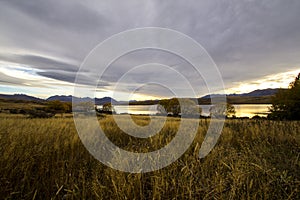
(21, 97)
(255, 93)
(64, 98)
(68, 98)
(258, 93)
(104, 100)
(255, 97)
(60, 98)
(98, 101)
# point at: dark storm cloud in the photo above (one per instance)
(62, 76)
(247, 39)
(57, 28)
(69, 15)
(83, 79)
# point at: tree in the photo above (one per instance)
(286, 103)
(176, 107)
(230, 110)
(108, 108)
(169, 106)
(68, 107)
(58, 107)
(222, 110)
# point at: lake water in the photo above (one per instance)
(136, 109)
(242, 110)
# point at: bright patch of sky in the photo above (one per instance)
(21, 79)
(280, 80)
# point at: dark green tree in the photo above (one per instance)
(286, 103)
(178, 107)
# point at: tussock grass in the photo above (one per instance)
(45, 159)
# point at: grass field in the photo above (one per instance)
(7, 104)
(45, 159)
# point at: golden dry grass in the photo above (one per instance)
(45, 159)
(18, 105)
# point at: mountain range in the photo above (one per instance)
(63, 98)
(98, 101)
(20, 97)
(255, 93)
(260, 96)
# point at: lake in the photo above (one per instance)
(242, 110)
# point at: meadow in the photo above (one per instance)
(45, 159)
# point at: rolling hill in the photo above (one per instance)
(254, 97)
(98, 101)
(20, 97)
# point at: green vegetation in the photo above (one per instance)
(35, 109)
(176, 107)
(50, 109)
(59, 107)
(107, 108)
(7, 105)
(286, 103)
(253, 159)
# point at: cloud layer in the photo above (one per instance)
(248, 40)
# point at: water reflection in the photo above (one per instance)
(242, 110)
(250, 110)
(136, 109)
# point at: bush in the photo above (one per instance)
(286, 103)
(59, 107)
(40, 114)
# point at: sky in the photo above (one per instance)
(255, 44)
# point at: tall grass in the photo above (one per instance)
(45, 159)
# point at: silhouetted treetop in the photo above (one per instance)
(286, 103)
